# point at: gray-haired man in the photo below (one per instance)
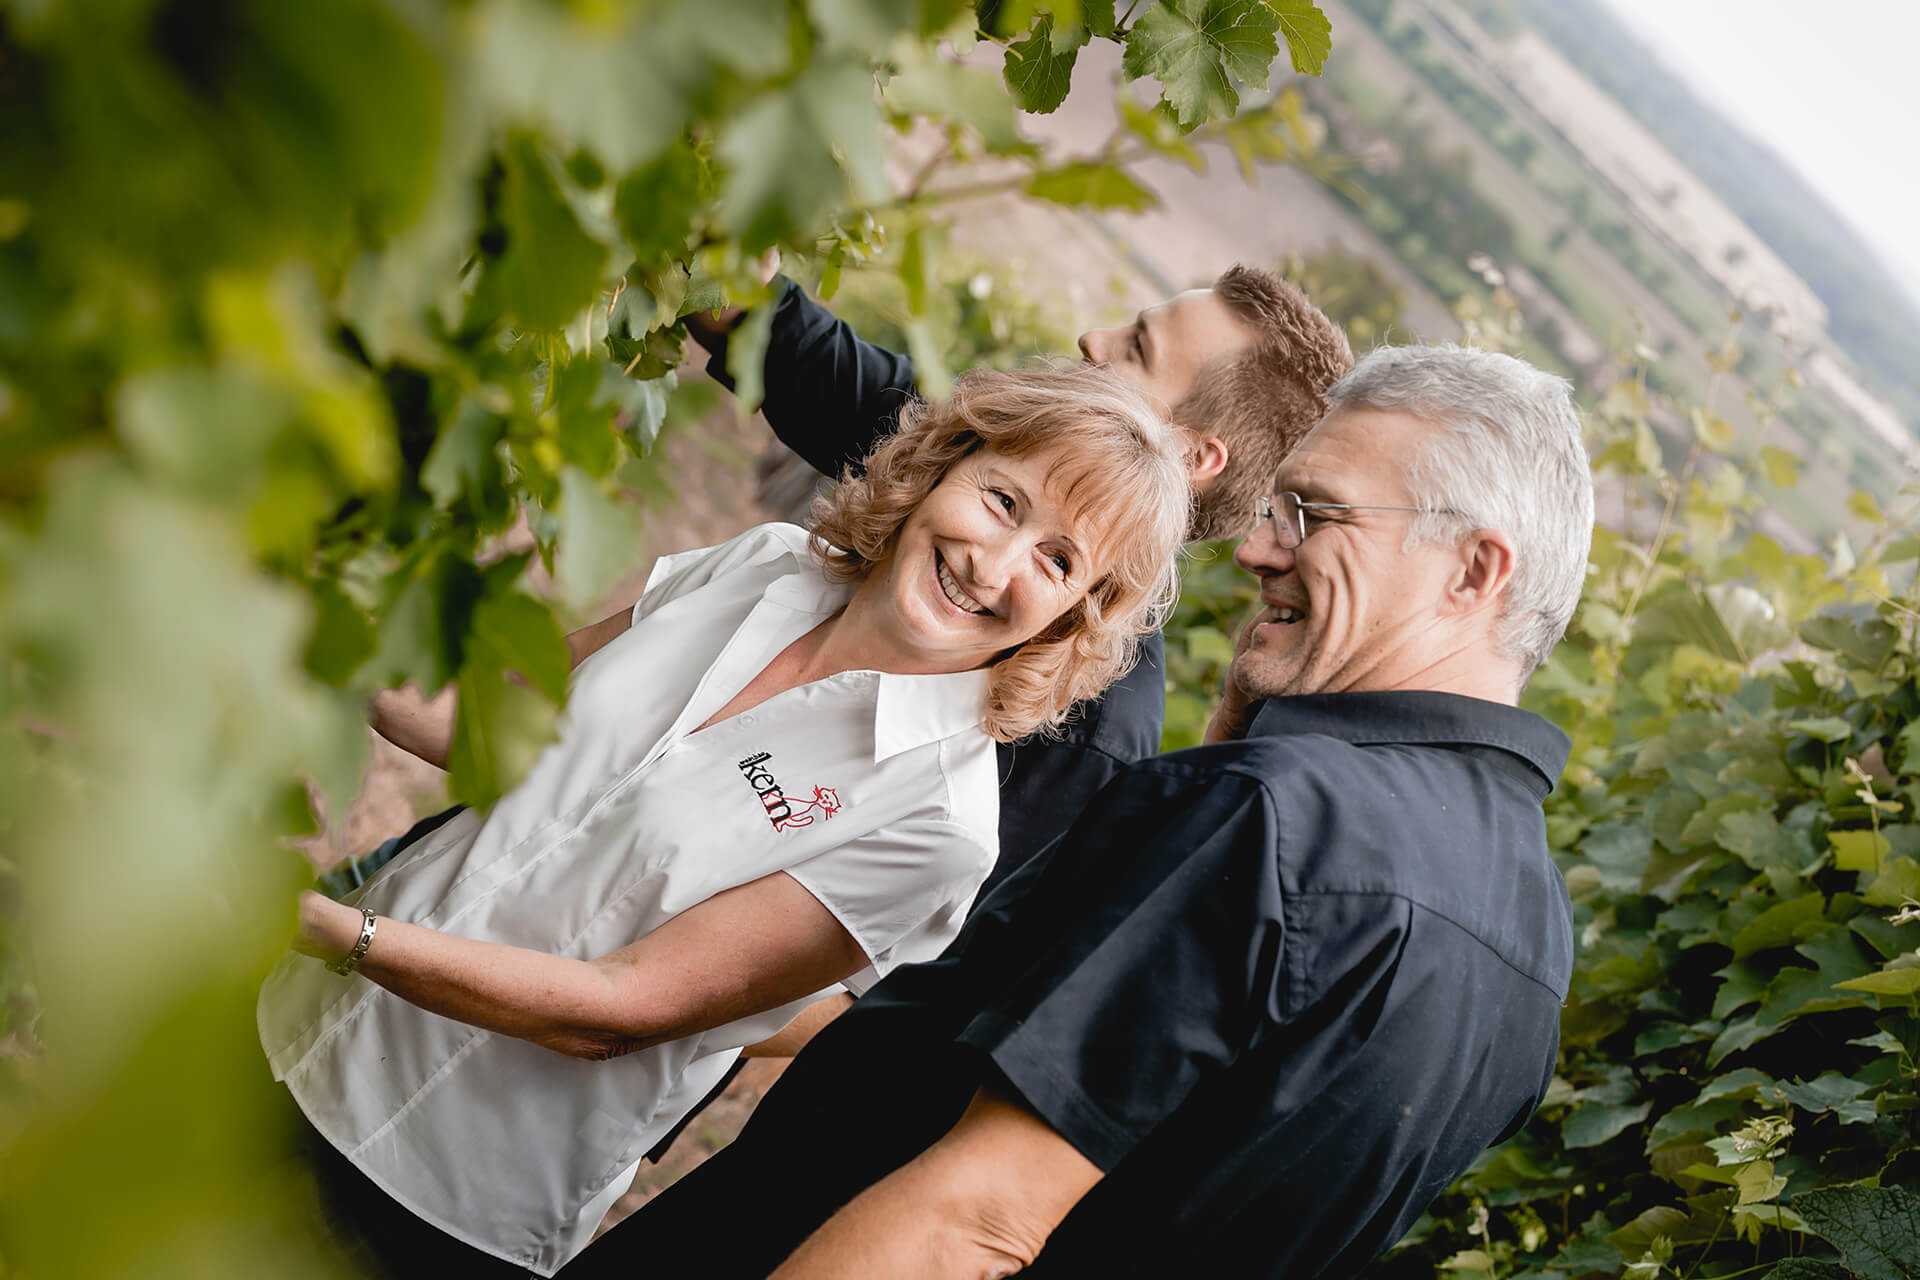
(1266, 998)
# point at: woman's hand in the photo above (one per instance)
(328, 929)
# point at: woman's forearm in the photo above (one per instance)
(414, 722)
(746, 950)
(570, 1006)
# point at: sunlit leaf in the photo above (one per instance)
(1862, 506)
(1037, 72)
(1095, 186)
(1199, 50)
(1712, 432)
(1781, 467)
(1308, 35)
(1858, 850)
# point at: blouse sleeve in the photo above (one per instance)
(676, 575)
(902, 892)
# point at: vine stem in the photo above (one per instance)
(1120, 150)
(926, 171)
(1128, 14)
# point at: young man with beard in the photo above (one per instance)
(1266, 998)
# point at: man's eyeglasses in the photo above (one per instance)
(1289, 514)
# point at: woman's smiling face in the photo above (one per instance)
(991, 557)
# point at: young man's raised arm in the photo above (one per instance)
(830, 394)
(976, 1205)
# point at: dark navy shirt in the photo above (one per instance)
(1282, 991)
(831, 396)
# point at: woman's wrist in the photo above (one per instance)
(329, 930)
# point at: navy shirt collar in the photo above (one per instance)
(1418, 716)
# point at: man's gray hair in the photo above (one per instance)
(1508, 456)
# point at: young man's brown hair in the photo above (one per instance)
(1261, 400)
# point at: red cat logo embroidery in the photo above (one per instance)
(785, 811)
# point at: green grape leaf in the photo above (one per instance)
(1594, 1123)
(1898, 882)
(919, 259)
(794, 153)
(343, 636)
(1091, 185)
(746, 357)
(1867, 642)
(1197, 49)
(465, 466)
(927, 84)
(1887, 982)
(1858, 850)
(1823, 728)
(1157, 128)
(498, 730)
(1037, 73)
(1712, 432)
(1810, 1269)
(1795, 991)
(1781, 467)
(551, 268)
(1758, 839)
(874, 26)
(583, 425)
(1876, 1229)
(515, 632)
(1308, 34)
(1776, 926)
(423, 620)
(598, 539)
(1831, 1091)
(656, 204)
(1862, 506)
(640, 406)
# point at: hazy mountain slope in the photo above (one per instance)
(1871, 317)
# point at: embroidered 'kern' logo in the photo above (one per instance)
(783, 810)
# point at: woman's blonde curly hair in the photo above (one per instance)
(1127, 472)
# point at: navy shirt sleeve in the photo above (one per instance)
(831, 395)
(1163, 954)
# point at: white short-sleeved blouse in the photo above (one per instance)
(876, 792)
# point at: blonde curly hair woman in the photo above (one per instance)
(775, 776)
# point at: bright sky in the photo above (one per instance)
(1830, 87)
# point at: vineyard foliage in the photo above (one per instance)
(304, 308)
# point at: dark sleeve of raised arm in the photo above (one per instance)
(1163, 949)
(831, 396)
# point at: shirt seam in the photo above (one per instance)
(1438, 914)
